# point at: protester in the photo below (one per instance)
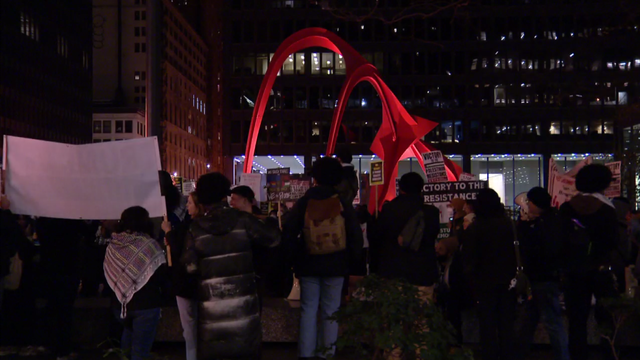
(183, 284)
(625, 251)
(470, 217)
(175, 203)
(10, 236)
(348, 186)
(219, 251)
(457, 217)
(135, 271)
(243, 198)
(590, 230)
(60, 258)
(400, 258)
(541, 243)
(452, 291)
(490, 263)
(323, 231)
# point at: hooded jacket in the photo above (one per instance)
(417, 267)
(328, 265)
(219, 250)
(348, 187)
(601, 224)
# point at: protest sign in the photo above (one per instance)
(254, 181)
(614, 190)
(467, 177)
(376, 173)
(441, 194)
(278, 184)
(562, 187)
(188, 187)
(434, 167)
(178, 182)
(92, 181)
(299, 186)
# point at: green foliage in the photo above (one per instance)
(388, 314)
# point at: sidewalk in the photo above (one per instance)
(288, 351)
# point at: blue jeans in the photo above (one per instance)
(326, 293)
(546, 303)
(188, 310)
(139, 332)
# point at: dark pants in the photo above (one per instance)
(546, 304)
(497, 313)
(579, 291)
(60, 298)
(139, 332)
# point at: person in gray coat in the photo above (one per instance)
(218, 248)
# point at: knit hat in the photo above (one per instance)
(457, 205)
(539, 197)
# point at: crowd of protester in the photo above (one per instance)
(219, 259)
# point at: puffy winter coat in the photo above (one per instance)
(219, 250)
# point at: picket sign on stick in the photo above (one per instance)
(169, 262)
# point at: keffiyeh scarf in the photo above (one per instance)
(130, 261)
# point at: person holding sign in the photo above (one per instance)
(489, 260)
(590, 230)
(324, 233)
(405, 236)
(218, 250)
(183, 284)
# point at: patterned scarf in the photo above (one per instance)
(130, 262)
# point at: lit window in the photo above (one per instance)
(136, 75)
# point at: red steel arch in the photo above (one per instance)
(400, 133)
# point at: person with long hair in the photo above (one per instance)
(183, 284)
(134, 268)
(489, 261)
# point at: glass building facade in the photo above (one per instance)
(500, 78)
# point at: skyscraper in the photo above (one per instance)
(45, 70)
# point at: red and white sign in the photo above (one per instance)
(434, 167)
(614, 190)
(562, 186)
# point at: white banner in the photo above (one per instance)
(614, 190)
(254, 181)
(434, 167)
(93, 181)
(467, 177)
(562, 187)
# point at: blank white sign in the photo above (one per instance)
(93, 181)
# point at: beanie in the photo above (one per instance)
(540, 198)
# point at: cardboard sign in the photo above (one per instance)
(254, 181)
(188, 187)
(614, 190)
(562, 187)
(434, 167)
(441, 194)
(376, 173)
(300, 184)
(278, 184)
(92, 181)
(178, 182)
(467, 177)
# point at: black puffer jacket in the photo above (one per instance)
(420, 267)
(219, 250)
